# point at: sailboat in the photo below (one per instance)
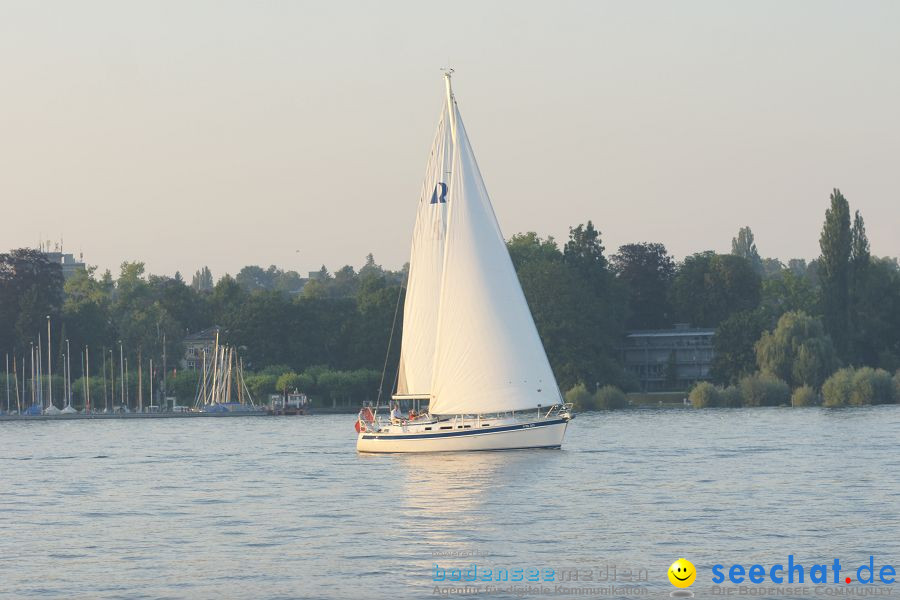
(469, 343)
(222, 375)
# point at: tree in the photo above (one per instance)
(203, 280)
(876, 315)
(584, 250)
(31, 287)
(744, 246)
(788, 291)
(580, 398)
(647, 271)
(704, 395)
(734, 346)
(253, 278)
(710, 287)
(609, 397)
(834, 270)
(798, 351)
(764, 389)
(288, 382)
(577, 305)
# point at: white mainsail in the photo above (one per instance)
(488, 356)
(420, 309)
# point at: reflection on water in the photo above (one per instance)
(285, 507)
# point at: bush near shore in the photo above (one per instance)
(605, 398)
(845, 387)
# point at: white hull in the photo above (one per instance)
(545, 433)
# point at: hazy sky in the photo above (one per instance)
(296, 133)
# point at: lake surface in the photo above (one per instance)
(285, 507)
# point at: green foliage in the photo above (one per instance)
(570, 294)
(580, 398)
(288, 382)
(203, 280)
(762, 389)
(897, 387)
(254, 278)
(183, 386)
(875, 315)
(647, 272)
(30, 289)
(744, 246)
(261, 385)
(837, 389)
(786, 291)
(835, 243)
(872, 386)
(859, 387)
(705, 395)
(610, 397)
(731, 396)
(711, 287)
(797, 351)
(804, 396)
(734, 346)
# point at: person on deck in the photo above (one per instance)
(396, 415)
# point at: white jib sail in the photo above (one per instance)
(488, 355)
(420, 309)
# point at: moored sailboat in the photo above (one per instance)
(469, 346)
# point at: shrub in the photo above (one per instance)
(609, 397)
(837, 389)
(871, 386)
(804, 396)
(260, 386)
(731, 397)
(897, 387)
(704, 395)
(580, 398)
(761, 389)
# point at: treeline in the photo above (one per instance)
(797, 322)
(341, 321)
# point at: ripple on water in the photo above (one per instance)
(284, 508)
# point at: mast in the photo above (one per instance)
(40, 372)
(84, 381)
(16, 376)
(215, 380)
(164, 373)
(203, 376)
(87, 375)
(105, 395)
(68, 369)
(112, 380)
(140, 397)
(7, 382)
(122, 373)
(33, 393)
(49, 365)
(451, 103)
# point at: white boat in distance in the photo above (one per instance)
(469, 346)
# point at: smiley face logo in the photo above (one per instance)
(682, 573)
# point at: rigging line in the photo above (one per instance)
(390, 341)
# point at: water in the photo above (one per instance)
(285, 508)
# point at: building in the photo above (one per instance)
(668, 359)
(67, 261)
(195, 344)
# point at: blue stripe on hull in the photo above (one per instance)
(428, 436)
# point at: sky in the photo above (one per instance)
(189, 133)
